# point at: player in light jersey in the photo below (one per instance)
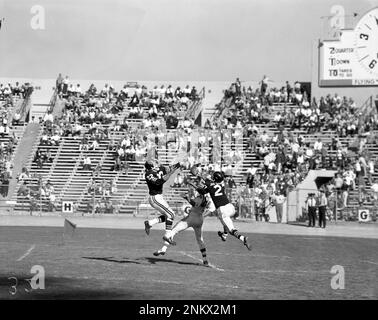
(193, 220)
(155, 177)
(202, 177)
(225, 209)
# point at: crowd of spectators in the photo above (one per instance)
(102, 204)
(8, 92)
(14, 90)
(157, 109)
(286, 157)
(242, 106)
(88, 116)
(6, 166)
(39, 194)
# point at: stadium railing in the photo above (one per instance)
(367, 106)
(26, 104)
(195, 108)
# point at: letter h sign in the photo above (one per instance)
(67, 207)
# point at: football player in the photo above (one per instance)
(202, 176)
(193, 220)
(155, 176)
(225, 209)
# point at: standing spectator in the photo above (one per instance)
(311, 209)
(264, 85)
(370, 169)
(251, 173)
(87, 163)
(59, 84)
(16, 118)
(374, 191)
(323, 203)
(339, 182)
(65, 82)
(230, 184)
(279, 201)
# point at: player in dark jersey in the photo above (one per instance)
(225, 209)
(156, 176)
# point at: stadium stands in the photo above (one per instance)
(103, 132)
(92, 152)
(12, 101)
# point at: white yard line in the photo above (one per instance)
(26, 253)
(245, 254)
(371, 262)
(200, 260)
(148, 250)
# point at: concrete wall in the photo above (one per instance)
(297, 198)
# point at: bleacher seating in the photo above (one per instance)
(71, 182)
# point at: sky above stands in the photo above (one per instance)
(214, 40)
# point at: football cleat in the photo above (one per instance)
(247, 244)
(159, 253)
(147, 227)
(169, 240)
(222, 235)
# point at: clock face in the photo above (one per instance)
(366, 42)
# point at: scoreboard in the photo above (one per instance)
(352, 60)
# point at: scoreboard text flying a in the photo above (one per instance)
(353, 59)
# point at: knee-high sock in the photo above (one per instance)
(237, 235)
(204, 255)
(165, 246)
(168, 224)
(157, 220)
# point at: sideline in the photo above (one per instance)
(343, 229)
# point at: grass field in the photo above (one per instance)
(118, 264)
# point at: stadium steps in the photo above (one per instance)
(71, 183)
(28, 138)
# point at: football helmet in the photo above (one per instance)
(194, 170)
(150, 164)
(218, 176)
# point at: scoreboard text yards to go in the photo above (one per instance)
(351, 60)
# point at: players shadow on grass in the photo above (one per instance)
(142, 261)
(154, 260)
(112, 259)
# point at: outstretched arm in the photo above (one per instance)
(173, 167)
(191, 201)
(192, 184)
(171, 170)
